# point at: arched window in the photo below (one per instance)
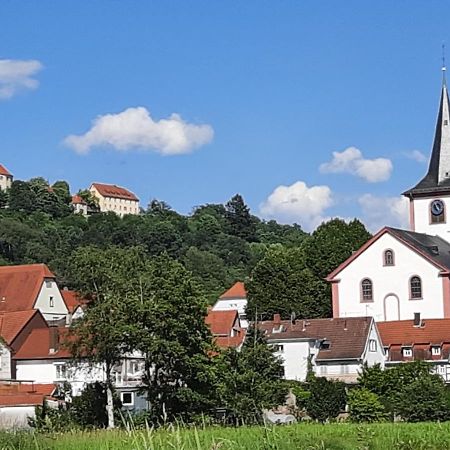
(366, 290)
(388, 257)
(415, 287)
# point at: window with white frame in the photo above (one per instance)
(323, 370)
(51, 302)
(388, 257)
(372, 345)
(278, 348)
(415, 287)
(435, 350)
(61, 371)
(344, 369)
(127, 398)
(407, 352)
(366, 290)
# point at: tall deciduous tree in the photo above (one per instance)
(101, 335)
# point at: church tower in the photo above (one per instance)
(429, 207)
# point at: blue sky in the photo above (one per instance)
(266, 91)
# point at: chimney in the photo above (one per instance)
(417, 319)
(54, 339)
(276, 319)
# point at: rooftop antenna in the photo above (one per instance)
(444, 68)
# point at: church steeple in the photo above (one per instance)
(437, 180)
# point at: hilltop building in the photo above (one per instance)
(6, 178)
(115, 198)
(400, 273)
(234, 298)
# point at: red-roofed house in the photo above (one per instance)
(75, 304)
(226, 328)
(79, 205)
(234, 298)
(6, 178)
(31, 286)
(115, 198)
(418, 339)
(14, 329)
(18, 401)
(337, 348)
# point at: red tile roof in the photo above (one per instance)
(347, 336)
(111, 190)
(72, 300)
(225, 328)
(20, 286)
(76, 199)
(12, 323)
(4, 171)
(235, 291)
(221, 322)
(403, 332)
(37, 345)
(25, 394)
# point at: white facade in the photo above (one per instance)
(118, 205)
(5, 182)
(80, 208)
(59, 371)
(390, 284)
(421, 216)
(229, 304)
(50, 302)
(296, 354)
(5, 362)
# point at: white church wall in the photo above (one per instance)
(422, 223)
(390, 284)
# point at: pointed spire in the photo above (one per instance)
(438, 176)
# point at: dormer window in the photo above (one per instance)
(325, 345)
(407, 352)
(436, 350)
(388, 257)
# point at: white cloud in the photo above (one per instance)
(384, 211)
(416, 155)
(352, 161)
(134, 128)
(298, 203)
(17, 75)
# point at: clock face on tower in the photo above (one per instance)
(437, 207)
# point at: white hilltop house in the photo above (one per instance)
(234, 298)
(400, 273)
(6, 178)
(115, 198)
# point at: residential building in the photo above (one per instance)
(333, 348)
(226, 328)
(79, 205)
(418, 339)
(6, 178)
(74, 303)
(115, 198)
(401, 272)
(32, 286)
(18, 401)
(14, 328)
(234, 298)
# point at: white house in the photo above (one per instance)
(333, 348)
(6, 178)
(398, 273)
(32, 286)
(115, 198)
(234, 298)
(79, 205)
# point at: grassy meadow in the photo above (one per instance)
(301, 436)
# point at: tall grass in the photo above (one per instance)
(424, 436)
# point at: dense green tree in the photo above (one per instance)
(250, 380)
(240, 222)
(4, 196)
(22, 197)
(365, 406)
(327, 399)
(281, 283)
(332, 243)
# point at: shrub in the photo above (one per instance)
(365, 406)
(327, 399)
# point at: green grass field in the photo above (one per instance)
(302, 436)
